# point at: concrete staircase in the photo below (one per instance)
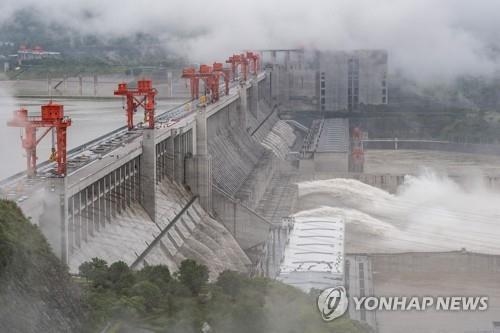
(334, 136)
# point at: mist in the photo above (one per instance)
(10, 137)
(426, 39)
(429, 213)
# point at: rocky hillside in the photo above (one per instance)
(36, 291)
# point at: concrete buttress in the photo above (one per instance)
(53, 221)
(148, 173)
(203, 162)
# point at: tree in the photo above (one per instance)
(120, 276)
(94, 269)
(149, 293)
(230, 282)
(193, 276)
(159, 274)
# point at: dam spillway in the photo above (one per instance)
(145, 196)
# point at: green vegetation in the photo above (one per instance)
(155, 300)
(36, 291)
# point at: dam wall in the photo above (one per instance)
(391, 182)
(407, 144)
(185, 189)
(162, 195)
(425, 274)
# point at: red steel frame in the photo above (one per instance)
(52, 117)
(143, 96)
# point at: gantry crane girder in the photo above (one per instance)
(194, 81)
(211, 75)
(52, 117)
(255, 59)
(211, 78)
(237, 60)
(218, 67)
(142, 96)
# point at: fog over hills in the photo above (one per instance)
(425, 38)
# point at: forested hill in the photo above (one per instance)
(36, 291)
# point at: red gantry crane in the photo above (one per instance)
(194, 81)
(255, 59)
(225, 73)
(237, 60)
(211, 78)
(211, 75)
(52, 118)
(143, 96)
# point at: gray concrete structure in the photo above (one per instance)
(121, 198)
(314, 253)
(359, 283)
(148, 173)
(428, 274)
(348, 79)
(107, 177)
(326, 148)
(306, 80)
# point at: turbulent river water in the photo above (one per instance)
(428, 213)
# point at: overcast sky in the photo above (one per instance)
(423, 37)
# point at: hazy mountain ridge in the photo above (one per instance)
(26, 28)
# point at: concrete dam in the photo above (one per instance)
(241, 184)
(195, 189)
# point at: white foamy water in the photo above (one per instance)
(429, 213)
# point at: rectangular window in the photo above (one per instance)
(322, 84)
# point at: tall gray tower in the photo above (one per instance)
(348, 79)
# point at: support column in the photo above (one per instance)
(254, 98)
(95, 85)
(178, 158)
(170, 151)
(80, 85)
(203, 162)
(243, 105)
(148, 173)
(53, 220)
